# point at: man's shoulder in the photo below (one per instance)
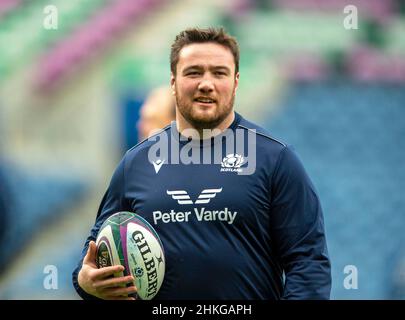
(263, 136)
(144, 145)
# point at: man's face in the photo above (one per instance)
(205, 84)
(152, 120)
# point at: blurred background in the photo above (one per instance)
(70, 102)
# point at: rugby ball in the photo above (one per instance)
(127, 239)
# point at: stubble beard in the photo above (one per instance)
(201, 122)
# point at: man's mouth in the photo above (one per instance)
(204, 100)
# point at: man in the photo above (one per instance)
(237, 234)
(157, 112)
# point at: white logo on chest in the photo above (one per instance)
(182, 196)
(158, 164)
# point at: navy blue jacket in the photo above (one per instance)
(226, 234)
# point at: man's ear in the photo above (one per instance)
(236, 81)
(172, 83)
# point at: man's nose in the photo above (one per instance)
(206, 85)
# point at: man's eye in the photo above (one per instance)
(220, 73)
(193, 73)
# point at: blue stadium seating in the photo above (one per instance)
(350, 137)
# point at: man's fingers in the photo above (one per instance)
(90, 257)
(114, 282)
(106, 272)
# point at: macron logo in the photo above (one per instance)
(182, 196)
(158, 164)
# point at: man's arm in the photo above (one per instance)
(112, 202)
(297, 228)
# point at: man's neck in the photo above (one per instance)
(186, 128)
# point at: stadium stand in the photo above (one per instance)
(33, 202)
(350, 137)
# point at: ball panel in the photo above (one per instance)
(123, 246)
(103, 254)
(147, 261)
(120, 218)
(135, 262)
(107, 237)
(149, 226)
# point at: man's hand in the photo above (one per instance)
(101, 283)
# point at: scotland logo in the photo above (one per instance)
(232, 163)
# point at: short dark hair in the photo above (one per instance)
(197, 35)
